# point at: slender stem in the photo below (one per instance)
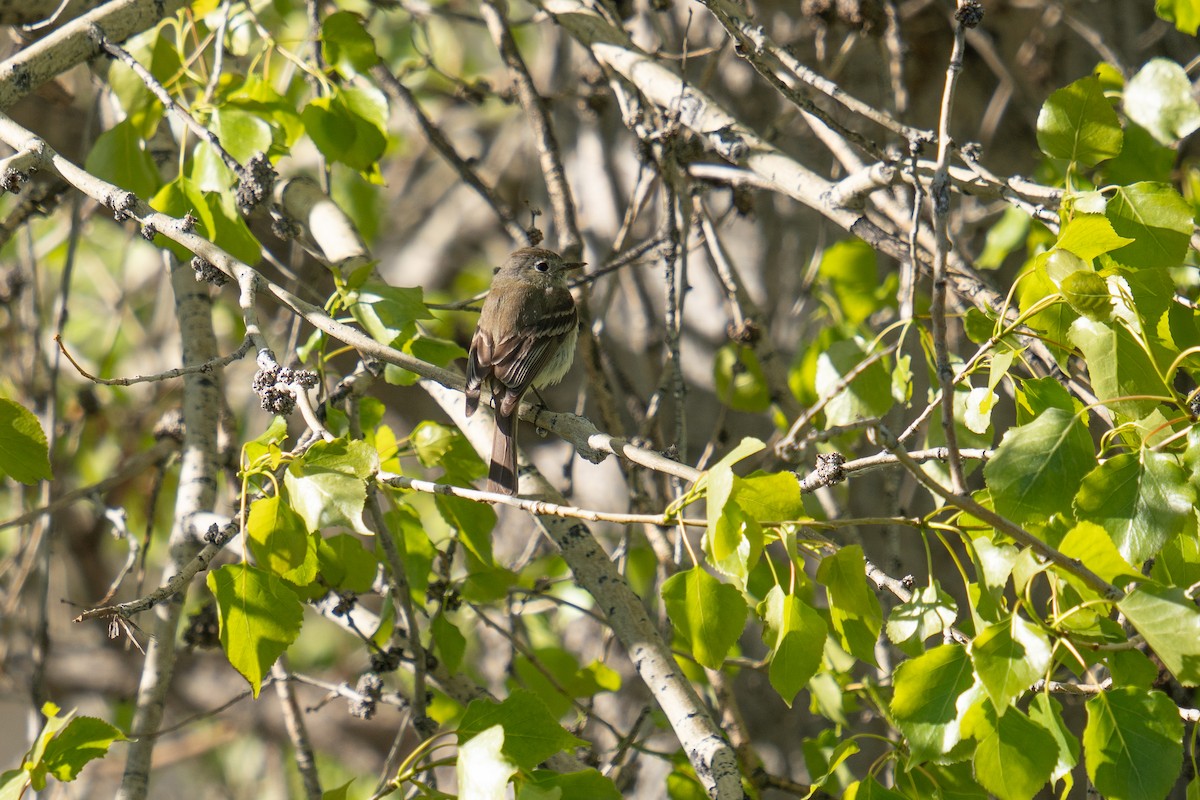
(494, 13)
(940, 191)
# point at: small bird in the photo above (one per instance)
(525, 337)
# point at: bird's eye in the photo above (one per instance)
(541, 265)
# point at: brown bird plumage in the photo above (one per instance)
(525, 337)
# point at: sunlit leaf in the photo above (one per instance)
(708, 614)
(1078, 123)
(1132, 743)
(260, 618)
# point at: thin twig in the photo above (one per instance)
(940, 194)
(177, 583)
(757, 46)
(164, 97)
(170, 374)
(293, 721)
(398, 588)
(163, 449)
(570, 243)
(788, 445)
(1006, 526)
(748, 318)
(398, 91)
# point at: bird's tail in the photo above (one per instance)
(502, 472)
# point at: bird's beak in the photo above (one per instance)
(575, 265)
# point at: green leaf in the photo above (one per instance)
(995, 564)
(488, 584)
(718, 484)
(1077, 123)
(1059, 263)
(743, 450)
(338, 792)
(978, 407)
(351, 457)
(1170, 623)
(853, 607)
(82, 740)
(1159, 98)
(24, 451)
(1003, 237)
(260, 618)
(1186, 16)
(1014, 756)
(739, 379)
(1035, 395)
(1142, 159)
(1038, 466)
(1087, 293)
(216, 220)
(868, 396)
(708, 615)
(1119, 367)
(851, 270)
(345, 564)
(682, 785)
(1141, 499)
(242, 133)
(734, 533)
(142, 109)
(326, 486)
(1132, 744)
(603, 676)
(482, 768)
(346, 43)
(902, 377)
(1047, 712)
(1178, 563)
(448, 640)
(978, 326)
(1035, 286)
(444, 446)
(415, 546)
(259, 98)
(433, 350)
(473, 523)
(1148, 295)
(434, 442)
(735, 543)
(54, 723)
(1132, 668)
(1090, 235)
(586, 783)
(928, 692)
(531, 735)
(388, 312)
(824, 756)
(280, 541)
(1157, 218)
(1093, 547)
(1009, 656)
(770, 497)
(945, 781)
(349, 126)
(120, 157)
(208, 172)
(870, 789)
(795, 634)
(929, 612)
(13, 784)
(555, 674)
